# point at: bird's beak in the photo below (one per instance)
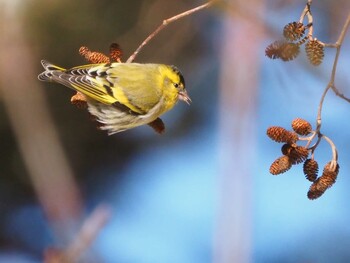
(184, 96)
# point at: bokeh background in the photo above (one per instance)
(201, 192)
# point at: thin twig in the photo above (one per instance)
(320, 107)
(339, 94)
(334, 149)
(331, 85)
(331, 45)
(164, 24)
(307, 12)
(338, 46)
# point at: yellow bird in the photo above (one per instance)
(122, 95)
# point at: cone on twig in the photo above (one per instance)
(93, 56)
(298, 154)
(280, 165)
(325, 181)
(294, 31)
(301, 127)
(315, 52)
(283, 50)
(280, 134)
(310, 169)
(115, 52)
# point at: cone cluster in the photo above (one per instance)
(293, 154)
(325, 181)
(115, 54)
(289, 48)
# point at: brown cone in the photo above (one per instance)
(280, 134)
(315, 52)
(310, 169)
(301, 127)
(298, 154)
(324, 182)
(280, 165)
(293, 31)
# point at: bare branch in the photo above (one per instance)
(88, 232)
(338, 46)
(339, 94)
(307, 12)
(331, 85)
(334, 149)
(164, 24)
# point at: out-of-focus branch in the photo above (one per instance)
(35, 132)
(88, 233)
(239, 80)
(81, 243)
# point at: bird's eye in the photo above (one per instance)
(176, 85)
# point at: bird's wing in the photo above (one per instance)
(129, 86)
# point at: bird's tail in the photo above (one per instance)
(47, 75)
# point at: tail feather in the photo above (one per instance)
(79, 79)
(49, 68)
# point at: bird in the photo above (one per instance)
(122, 95)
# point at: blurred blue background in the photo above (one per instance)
(167, 193)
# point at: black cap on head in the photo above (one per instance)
(177, 71)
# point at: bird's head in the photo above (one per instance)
(178, 81)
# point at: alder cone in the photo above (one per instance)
(280, 134)
(324, 182)
(315, 52)
(301, 126)
(93, 56)
(283, 50)
(280, 165)
(310, 169)
(298, 154)
(294, 31)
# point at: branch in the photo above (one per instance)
(331, 85)
(334, 149)
(81, 243)
(338, 44)
(320, 107)
(307, 12)
(88, 232)
(164, 24)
